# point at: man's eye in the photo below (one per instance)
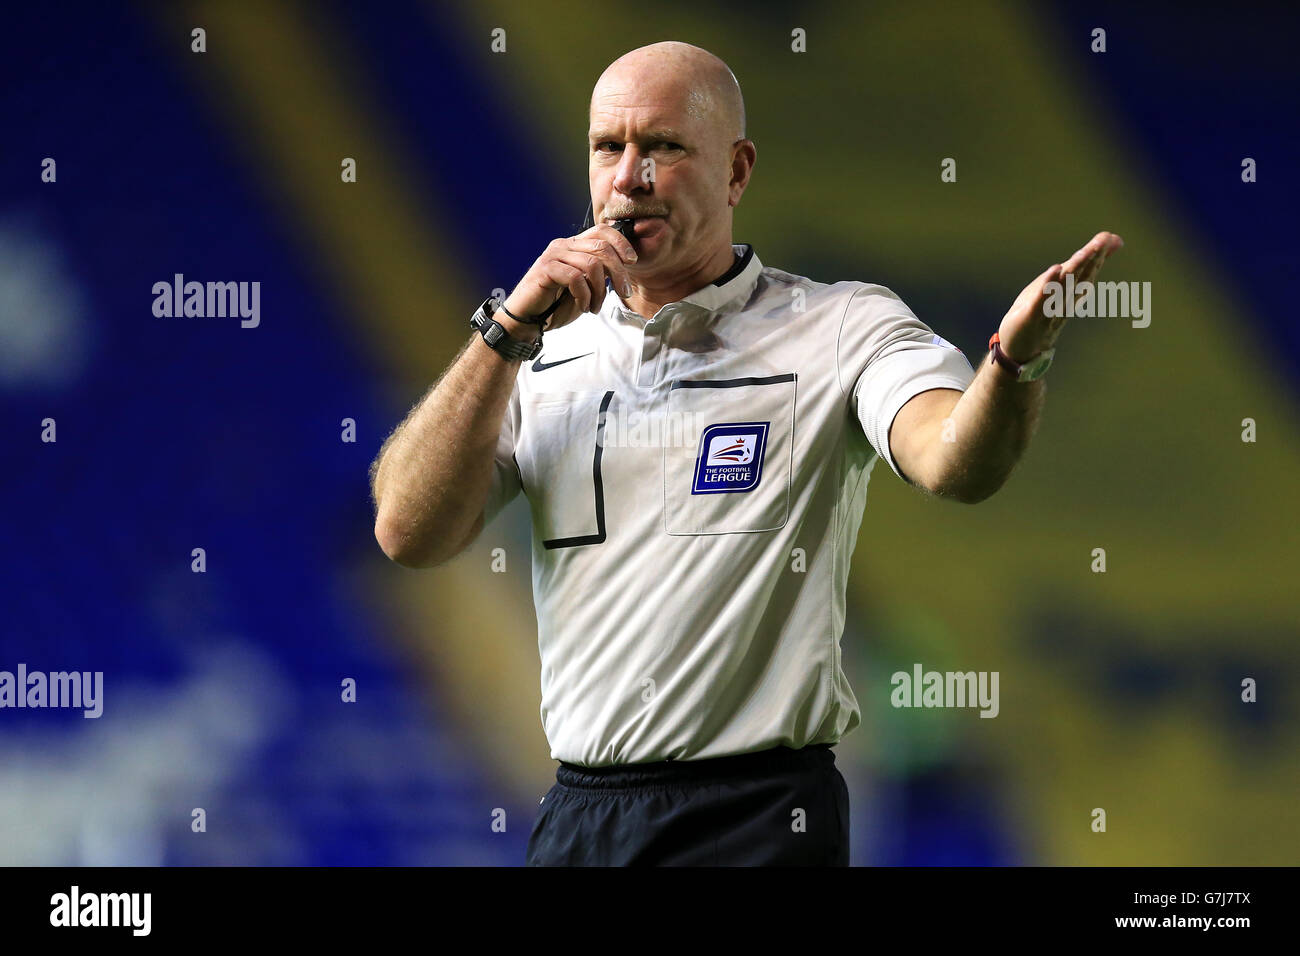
(601, 146)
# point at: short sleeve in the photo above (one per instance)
(887, 356)
(506, 483)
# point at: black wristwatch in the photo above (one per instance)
(498, 339)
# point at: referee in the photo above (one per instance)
(694, 438)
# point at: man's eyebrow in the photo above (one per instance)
(601, 135)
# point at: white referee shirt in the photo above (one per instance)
(696, 485)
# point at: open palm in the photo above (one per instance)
(1026, 329)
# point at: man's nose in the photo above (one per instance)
(631, 174)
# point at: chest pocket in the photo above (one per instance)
(559, 457)
(731, 471)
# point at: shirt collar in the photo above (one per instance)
(726, 293)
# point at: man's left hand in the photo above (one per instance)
(1026, 330)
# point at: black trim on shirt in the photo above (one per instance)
(736, 269)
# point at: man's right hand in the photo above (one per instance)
(579, 265)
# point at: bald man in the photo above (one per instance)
(695, 449)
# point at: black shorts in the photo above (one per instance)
(777, 807)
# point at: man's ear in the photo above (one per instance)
(744, 154)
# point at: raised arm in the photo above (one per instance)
(963, 445)
(431, 478)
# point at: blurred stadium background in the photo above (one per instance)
(222, 690)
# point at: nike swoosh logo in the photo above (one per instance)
(540, 366)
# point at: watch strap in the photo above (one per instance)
(498, 339)
(1023, 371)
(524, 319)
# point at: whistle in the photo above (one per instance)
(625, 227)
